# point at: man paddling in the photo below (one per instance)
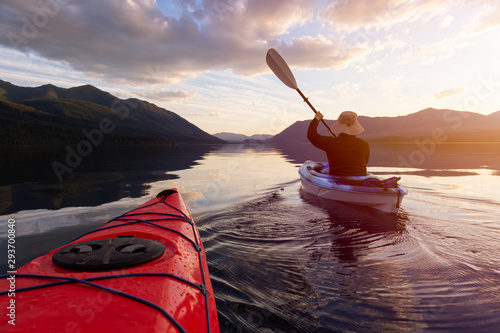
(347, 154)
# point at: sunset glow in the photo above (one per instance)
(205, 59)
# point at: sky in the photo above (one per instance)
(205, 59)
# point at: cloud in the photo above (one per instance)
(208, 114)
(350, 15)
(319, 52)
(165, 96)
(133, 42)
(347, 90)
(487, 19)
(374, 65)
(122, 41)
(447, 21)
(449, 92)
(390, 86)
(381, 14)
(441, 50)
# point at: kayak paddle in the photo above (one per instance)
(280, 68)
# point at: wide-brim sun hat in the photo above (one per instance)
(348, 123)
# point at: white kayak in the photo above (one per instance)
(385, 195)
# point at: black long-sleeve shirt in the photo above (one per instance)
(347, 154)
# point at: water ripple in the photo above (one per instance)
(282, 264)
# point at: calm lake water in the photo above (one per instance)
(280, 260)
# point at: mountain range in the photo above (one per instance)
(48, 115)
(53, 115)
(439, 125)
(237, 138)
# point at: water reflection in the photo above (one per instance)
(348, 215)
(108, 174)
(27, 180)
(352, 227)
(358, 267)
(303, 266)
(285, 261)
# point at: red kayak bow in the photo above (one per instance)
(143, 271)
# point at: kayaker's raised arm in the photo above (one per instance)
(318, 141)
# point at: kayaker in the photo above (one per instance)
(347, 154)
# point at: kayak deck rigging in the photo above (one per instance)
(133, 217)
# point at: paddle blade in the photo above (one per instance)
(280, 68)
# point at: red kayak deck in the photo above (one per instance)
(76, 289)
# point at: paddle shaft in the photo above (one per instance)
(315, 111)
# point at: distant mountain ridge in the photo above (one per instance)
(443, 124)
(237, 138)
(50, 115)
